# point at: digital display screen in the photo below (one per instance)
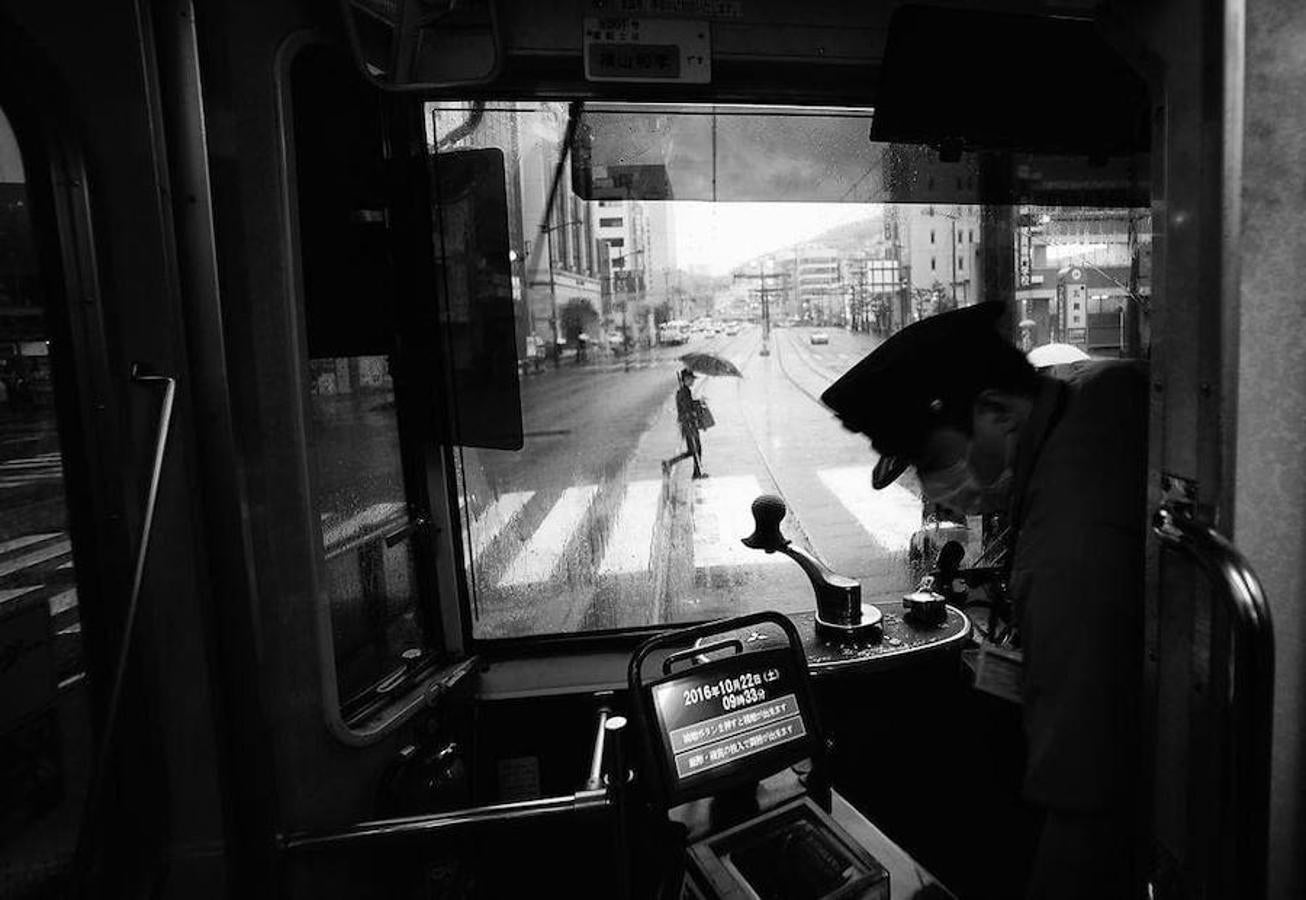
(732, 714)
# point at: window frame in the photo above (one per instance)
(549, 644)
(439, 593)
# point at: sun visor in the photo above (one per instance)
(961, 80)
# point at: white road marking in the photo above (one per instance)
(630, 542)
(63, 601)
(373, 515)
(722, 517)
(890, 516)
(494, 518)
(8, 594)
(536, 561)
(35, 558)
(19, 542)
(31, 470)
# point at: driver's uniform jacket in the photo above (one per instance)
(1079, 510)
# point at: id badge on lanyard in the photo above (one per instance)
(999, 672)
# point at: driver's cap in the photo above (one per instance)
(904, 387)
(887, 470)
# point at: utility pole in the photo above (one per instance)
(859, 322)
(952, 230)
(765, 290)
(1133, 314)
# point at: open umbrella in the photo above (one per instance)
(708, 364)
(1055, 355)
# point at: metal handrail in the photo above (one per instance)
(1250, 694)
(83, 848)
(587, 800)
(413, 826)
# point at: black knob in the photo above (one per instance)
(949, 559)
(768, 511)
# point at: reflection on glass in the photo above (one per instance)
(358, 477)
(585, 528)
(45, 735)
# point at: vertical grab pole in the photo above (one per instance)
(81, 860)
(617, 778)
(595, 781)
(1250, 694)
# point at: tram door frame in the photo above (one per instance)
(1193, 55)
(109, 118)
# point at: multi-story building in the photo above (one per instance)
(938, 248)
(885, 296)
(1078, 272)
(936, 237)
(818, 285)
(562, 268)
(620, 236)
(557, 266)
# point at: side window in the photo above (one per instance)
(382, 630)
(45, 734)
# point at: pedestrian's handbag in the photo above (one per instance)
(703, 415)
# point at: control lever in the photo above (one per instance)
(952, 584)
(839, 607)
(927, 605)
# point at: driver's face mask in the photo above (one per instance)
(959, 489)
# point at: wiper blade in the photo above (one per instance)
(574, 110)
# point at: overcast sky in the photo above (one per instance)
(722, 235)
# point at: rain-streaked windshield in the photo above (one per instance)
(626, 505)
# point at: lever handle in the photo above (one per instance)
(768, 511)
(838, 597)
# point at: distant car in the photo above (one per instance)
(818, 337)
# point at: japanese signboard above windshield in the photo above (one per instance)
(629, 48)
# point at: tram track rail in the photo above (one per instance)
(792, 518)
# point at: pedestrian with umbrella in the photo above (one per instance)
(710, 364)
(687, 415)
(693, 415)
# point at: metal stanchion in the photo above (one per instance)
(617, 778)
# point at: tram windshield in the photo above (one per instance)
(782, 244)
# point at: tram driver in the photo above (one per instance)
(1065, 458)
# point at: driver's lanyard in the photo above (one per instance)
(1026, 461)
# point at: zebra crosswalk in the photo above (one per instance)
(722, 515)
(536, 561)
(630, 547)
(36, 568)
(525, 538)
(29, 470)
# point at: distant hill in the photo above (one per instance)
(847, 238)
(852, 235)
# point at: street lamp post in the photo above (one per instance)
(547, 231)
